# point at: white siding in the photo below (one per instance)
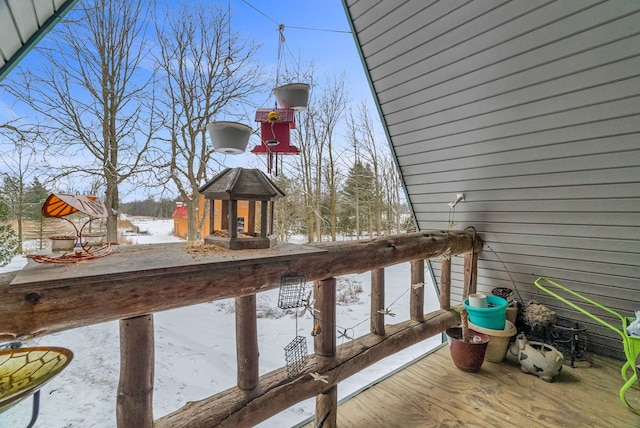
(532, 110)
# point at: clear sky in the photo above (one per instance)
(315, 31)
(318, 31)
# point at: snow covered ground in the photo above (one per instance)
(195, 351)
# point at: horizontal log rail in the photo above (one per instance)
(136, 281)
(235, 407)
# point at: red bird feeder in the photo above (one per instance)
(276, 125)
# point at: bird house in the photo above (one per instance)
(239, 184)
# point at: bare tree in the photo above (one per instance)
(92, 90)
(18, 155)
(371, 153)
(205, 72)
(368, 150)
(317, 162)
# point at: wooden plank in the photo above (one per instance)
(134, 406)
(148, 260)
(433, 392)
(142, 279)
(263, 219)
(251, 220)
(470, 274)
(233, 219)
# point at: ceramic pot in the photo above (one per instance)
(467, 356)
(230, 138)
(62, 243)
(93, 239)
(293, 95)
(478, 300)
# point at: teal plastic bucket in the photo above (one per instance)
(492, 317)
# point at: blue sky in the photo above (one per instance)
(332, 51)
(316, 31)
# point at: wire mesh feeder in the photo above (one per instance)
(60, 205)
(291, 292)
(296, 356)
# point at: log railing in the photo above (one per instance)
(136, 281)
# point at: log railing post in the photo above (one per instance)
(324, 344)
(134, 406)
(327, 408)
(445, 284)
(470, 273)
(377, 301)
(416, 301)
(247, 342)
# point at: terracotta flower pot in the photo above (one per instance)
(467, 356)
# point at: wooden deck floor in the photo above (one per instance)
(434, 393)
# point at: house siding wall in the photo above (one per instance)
(532, 110)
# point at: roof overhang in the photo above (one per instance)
(23, 24)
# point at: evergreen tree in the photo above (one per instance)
(8, 244)
(34, 197)
(358, 198)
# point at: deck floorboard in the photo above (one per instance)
(433, 393)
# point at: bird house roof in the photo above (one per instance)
(241, 184)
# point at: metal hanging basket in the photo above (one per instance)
(230, 138)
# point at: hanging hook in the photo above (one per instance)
(227, 61)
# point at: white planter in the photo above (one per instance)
(62, 243)
(292, 95)
(478, 300)
(230, 138)
(498, 340)
(93, 239)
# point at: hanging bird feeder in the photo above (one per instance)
(275, 133)
(230, 138)
(292, 95)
